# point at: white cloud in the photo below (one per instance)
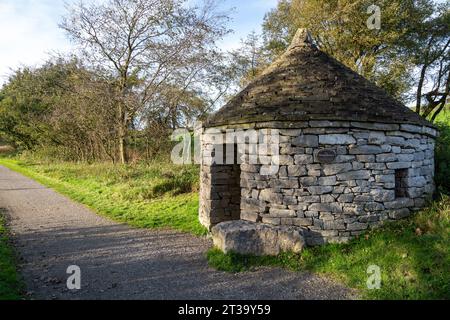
(29, 30)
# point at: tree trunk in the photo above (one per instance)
(419, 89)
(122, 132)
(122, 145)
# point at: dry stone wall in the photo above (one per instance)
(380, 172)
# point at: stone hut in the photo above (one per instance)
(349, 157)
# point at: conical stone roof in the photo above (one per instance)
(307, 84)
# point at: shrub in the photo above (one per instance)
(443, 158)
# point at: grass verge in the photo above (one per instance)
(147, 196)
(11, 287)
(413, 256)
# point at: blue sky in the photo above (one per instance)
(29, 29)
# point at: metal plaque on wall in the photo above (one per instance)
(326, 156)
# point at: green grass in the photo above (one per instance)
(147, 196)
(413, 256)
(10, 284)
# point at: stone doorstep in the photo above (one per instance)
(245, 237)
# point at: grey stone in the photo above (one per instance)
(387, 157)
(245, 237)
(375, 166)
(313, 170)
(411, 128)
(283, 160)
(327, 181)
(363, 198)
(306, 141)
(336, 139)
(284, 183)
(253, 205)
(308, 181)
(291, 132)
(302, 222)
(282, 213)
(335, 168)
(373, 206)
(398, 165)
(272, 221)
(268, 195)
(405, 157)
(320, 190)
(326, 207)
(250, 216)
(357, 226)
(329, 124)
(399, 203)
(365, 149)
(354, 175)
(366, 158)
(297, 170)
(377, 138)
(381, 195)
(345, 158)
(419, 181)
(399, 213)
(388, 178)
(309, 199)
(346, 198)
(375, 126)
(303, 159)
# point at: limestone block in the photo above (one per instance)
(302, 222)
(327, 181)
(329, 124)
(309, 199)
(308, 181)
(365, 149)
(245, 237)
(336, 139)
(297, 170)
(313, 170)
(354, 175)
(320, 190)
(284, 183)
(382, 195)
(253, 205)
(387, 157)
(346, 198)
(303, 159)
(377, 138)
(326, 207)
(272, 221)
(399, 203)
(282, 213)
(398, 165)
(357, 226)
(405, 157)
(250, 216)
(375, 126)
(399, 213)
(418, 181)
(335, 168)
(269, 195)
(311, 141)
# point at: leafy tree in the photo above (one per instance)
(431, 53)
(141, 46)
(339, 28)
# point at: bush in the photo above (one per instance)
(443, 158)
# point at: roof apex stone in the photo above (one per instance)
(304, 84)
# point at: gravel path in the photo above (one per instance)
(51, 232)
